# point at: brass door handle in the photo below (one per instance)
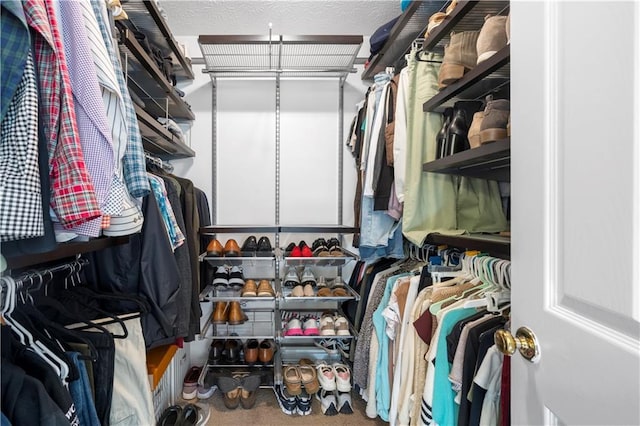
(525, 341)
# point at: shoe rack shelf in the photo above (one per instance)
(411, 24)
(208, 374)
(287, 297)
(239, 260)
(147, 17)
(489, 161)
(159, 141)
(494, 245)
(321, 260)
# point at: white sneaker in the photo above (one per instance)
(221, 277)
(341, 326)
(236, 279)
(308, 277)
(310, 327)
(344, 403)
(326, 376)
(343, 377)
(291, 278)
(294, 328)
(327, 326)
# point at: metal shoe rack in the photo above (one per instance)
(280, 57)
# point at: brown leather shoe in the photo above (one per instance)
(265, 289)
(221, 313)
(236, 316)
(250, 289)
(265, 352)
(231, 248)
(214, 248)
(251, 351)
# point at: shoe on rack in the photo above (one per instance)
(441, 137)
(460, 56)
(343, 377)
(310, 326)
(171, 416)
(298, 291)
(328, 402)
(215, 352)
(327, 326)
(344, 403)
(250, 385)
(195, 415)
(294, 328)
(251, 351)
(308, 277)
(309, 378)
(326, 376)
(215, 248)
(335, 249)
(305, 250)
(236, 278)
(231, 352)
(265, 289)
(303, 403)
(264, 247)
(295, 251)
(221, 277)
(250, 289)
(231, 248)
(319, 248)
(266, 351)
(236, 316)
(308, 290)
(249, 246)
(341, 326)
(286, 401)
(338, 282)
(291, 278)
(322, 282)
(463, 111)
(474, 130)
(190, 383)
(324, 292)
(231, 399)
(289, 249)
(494, 122)
(221, 313)
(292, 379)
(492, 37)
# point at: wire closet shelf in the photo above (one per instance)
(303, 56)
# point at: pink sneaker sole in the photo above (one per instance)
(311, 332)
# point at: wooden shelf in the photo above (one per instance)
(149, 83)
(146, 16)
(65, 250)
(412, 24)
(474, 79)
(158, 140)
(494, 245)
(488, 161)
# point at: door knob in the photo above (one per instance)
(525, 341)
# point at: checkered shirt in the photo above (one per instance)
(20, 193)
(94, 132)
(14, 46)
(135, 172)
(72, 193)
(168, 216)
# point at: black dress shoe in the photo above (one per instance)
(231, 352)
(441, 138)
(289, 249)
(215, 352)
(172, 416)
(249, 247)
(264, 247)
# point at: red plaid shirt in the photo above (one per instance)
(72, 193)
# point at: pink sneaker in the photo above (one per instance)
(294, 328)
(311, 327)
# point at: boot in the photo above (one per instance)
(493, 37)
(221, 313)
(236, 316)
(459, 57)
(507, 28)
(474, 130)
(494, 122)
(441, 138)
(462, 114)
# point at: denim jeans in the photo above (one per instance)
(81, 394)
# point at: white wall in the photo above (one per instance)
(246, 154)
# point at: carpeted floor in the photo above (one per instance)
(267, 412)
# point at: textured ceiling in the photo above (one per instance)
(289, 17)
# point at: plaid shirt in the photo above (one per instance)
(135, 171)
(14, 46)
(72, 194)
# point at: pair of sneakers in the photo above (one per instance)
(292, 279)
(190, 387)
(226, 277)
(336, 376)
(307, 326)
(334, 325)
(334, 402)
(293, 404)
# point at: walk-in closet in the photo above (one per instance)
(325, 212)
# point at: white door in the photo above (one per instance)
(575, 147)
